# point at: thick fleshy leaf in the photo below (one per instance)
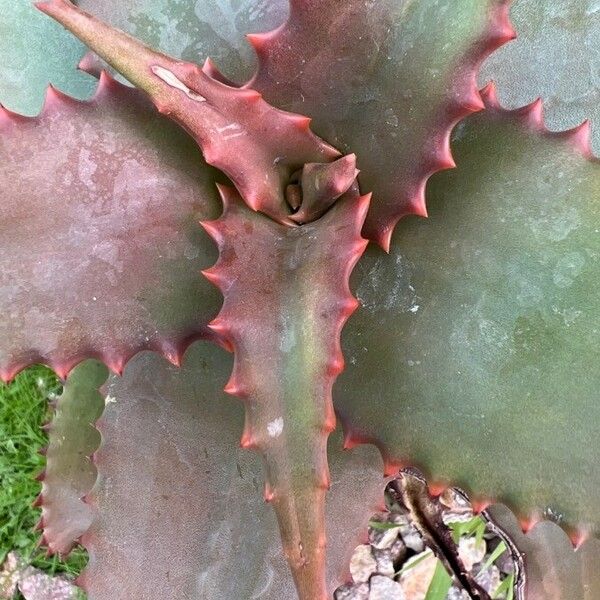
(256, 145)
(99, 233)
(553, 568)
(196, 29)
(556, 57)
(476, 352)
(177, 498)
(69, 474)
(386, 80)
(33, 53)
(286, 300)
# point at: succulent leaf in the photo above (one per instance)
(384, 79)
(286, 300)
(257, 146)
(33, 53)
(192, 514)
(553, 568)
(69, 474)
(556, 57)
(195, 29)
(476, 353)
(101, 247)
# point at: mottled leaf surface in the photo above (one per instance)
(557, 57)
(258, 146)
(101, 249)
(33, 53)
(194, 516)
(196, 29)
(69, 472)
(476, 352)
(286, 298)
(553, 568)
(386, 80)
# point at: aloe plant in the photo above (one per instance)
(473, 352)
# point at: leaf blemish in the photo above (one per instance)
(171, 79)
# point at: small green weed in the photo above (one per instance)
(23, 410)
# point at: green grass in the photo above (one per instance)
(23, 410)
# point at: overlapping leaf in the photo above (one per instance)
(553, 568)
(33, 53)
(195, 29)
(286, 300)
(557, 57)
(177, 501)
(69, 472)
(386, 80)
(476, 352)
(98, 224)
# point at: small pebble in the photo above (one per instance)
(383, 588)
(415, 580)
(455, 593)
(352, 592)
(471, 552)
(489, 579)
(456, 508)
(383, 538)
(398, 552)
(385, 564)
(362, 564)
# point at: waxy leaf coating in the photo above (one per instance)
(179, 510)
(556, 57)
(101, 248)
(386, 80)
(476, 353)
(70, 474)
(34, 52)
(552, 568)
(286, 299)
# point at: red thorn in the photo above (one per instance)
(258, 41)
(269, 494)
(301, 122)
(46, 427)
(212, 275)
(233, 388)
(535, 114)
(41, 476)
(43, 451)
(218, 327)
(349, 441)
(212, 229)
(473, 102)
(418, 207)
(39, 526)
(489, 94)
(246, 441)
(249, 95)
(336, 366)
(39, 501)
(580, 136)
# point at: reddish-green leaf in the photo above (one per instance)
(179, 507)
(101, 249)
(34, 52)
(195, 29)
(476, 352)
(286, 300)
(553, 568)
(69, 472)
(556, 57)
(257, 146)
(386, 80)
